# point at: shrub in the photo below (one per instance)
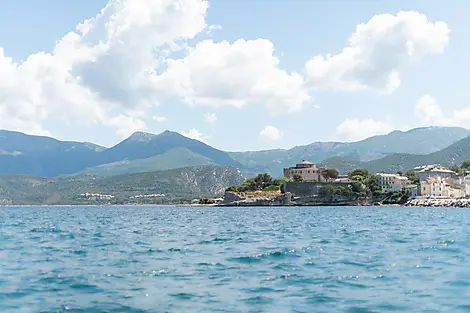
(272, 188)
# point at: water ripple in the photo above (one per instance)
(182, 259)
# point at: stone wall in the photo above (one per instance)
(307, 189)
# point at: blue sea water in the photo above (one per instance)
(201, 259)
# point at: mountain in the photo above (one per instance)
(416, 141)
(189, 182)
(38, 155)
(142, 152)
(144, 145)
(454, 154)
(174, 158)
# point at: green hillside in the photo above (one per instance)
(174, 158)
(416, 141)
(455, 154)
(209, 180)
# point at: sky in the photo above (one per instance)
(237, 74)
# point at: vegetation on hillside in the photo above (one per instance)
(262, 182)
(176, 185)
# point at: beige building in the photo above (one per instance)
(308, 170)
(392, 182)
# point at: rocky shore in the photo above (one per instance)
(436, 202)
(288, 199)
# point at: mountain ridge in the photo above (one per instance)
(143, 152)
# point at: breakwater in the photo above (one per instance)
(439, 202)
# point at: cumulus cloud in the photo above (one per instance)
(195, 134)
(429, 113)
(210, 118)
(376, 51)
(355, 129)
(235, 74)
(271, 133)
(106, 66)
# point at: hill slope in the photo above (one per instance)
(455, 154)
(174, 158)
(210, 180)
(23, 154)
(415, 141)
(37, 155)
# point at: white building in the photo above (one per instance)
(433, 171)
(467, 185)
(392, 182)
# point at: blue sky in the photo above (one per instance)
(245, 100)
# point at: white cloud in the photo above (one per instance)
(101, 71)
(193, 133)
(356, 129)
(316, 106)
(158, 118)
(210, 118)
(235, 74)
(376, 51)
(271, 133)
(126, 125)
(429, 113)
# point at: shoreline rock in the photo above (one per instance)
(439, 202)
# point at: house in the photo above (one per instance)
(435, 170)
(467, 185)
(308, 170)
(433, 187)
(412, 189)
(392, 182)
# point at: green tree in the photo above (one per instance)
(326, 191)
(358, 178)
(330, 173)
(281, 181)
(457, 169)
(359, 172)
(372, 183)
(298, 178)
(411, 175)
(357, 187)
(400, 173)
(465, 164)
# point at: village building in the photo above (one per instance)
(392, 182)
(308, 170)
(435, 170)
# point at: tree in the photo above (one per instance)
(357, 187)
(358, 178)
(298, 178)
(411, 175)
(457, 169)
(466, 164)
(326, 191)
(329, 173)
(281, 181)
(372, 184)
(400, 173)
(359, 172)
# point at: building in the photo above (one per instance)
(413, 190)
(435, 170)
(308, 170)
(392, 182)
(433, 187)
(467, 185)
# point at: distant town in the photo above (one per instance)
(307, 184)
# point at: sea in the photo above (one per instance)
(251, 259)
